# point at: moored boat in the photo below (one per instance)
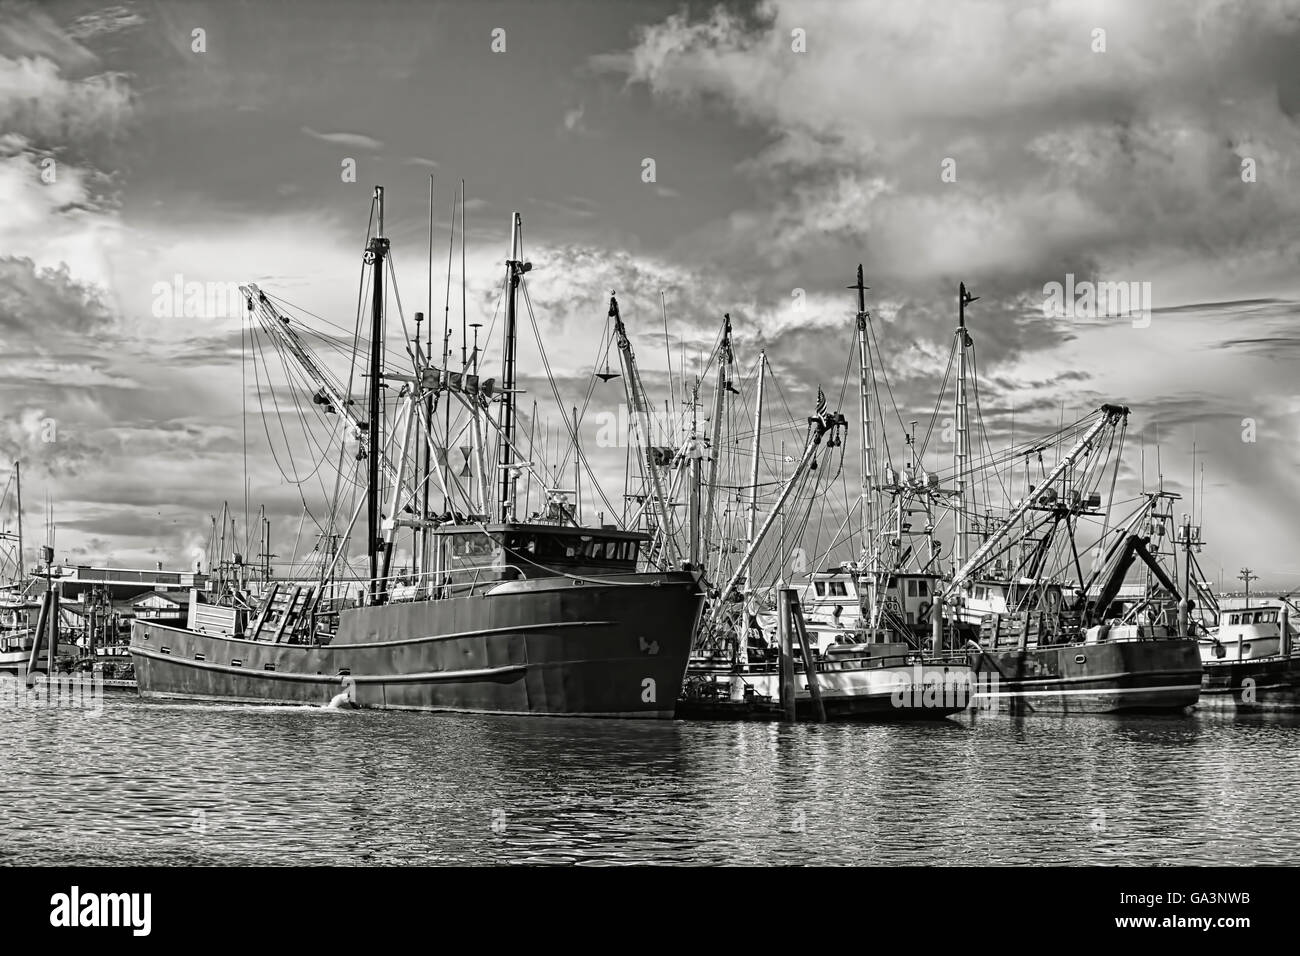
(539, 616)
(1250, 661)
(865, 646)
(1131, 668)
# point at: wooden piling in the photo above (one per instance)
(936, 627)
(786, 683)
(809, 657)
(38, 635)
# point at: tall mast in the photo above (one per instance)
(514, 269)
(962, 453)
(753, 460)
(641, 412)
(715, 437)
(426, 447)
(18, 490)
(865, 456)
(693, 464)
(375, 427)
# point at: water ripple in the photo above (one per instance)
(197, 785)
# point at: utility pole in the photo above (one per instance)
(1247, 576)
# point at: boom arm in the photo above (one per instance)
(278, 327)
(1110, 415)
(636, 400)
(1134, 547)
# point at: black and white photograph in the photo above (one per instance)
(645, 433)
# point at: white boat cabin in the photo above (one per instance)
(832, 609)
(1245, 634)
(830, 599)
(980, 599)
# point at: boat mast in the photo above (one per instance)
(715, 437)
(753, 454)
(636, 399)
(962, 453)
(820, 425)
(693, 464)
(742, 645)
(18, 491)
(375, 427)
(515, 268)
(865, 451)
(426, 447)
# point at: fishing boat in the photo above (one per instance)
(1041, 634)
(1049, 644)
(1250, 660)
(500, 612)
(854, 639)
(31, 639)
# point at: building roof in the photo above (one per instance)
(169, 598)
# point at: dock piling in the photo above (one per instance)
(800, 628)
(783, 629)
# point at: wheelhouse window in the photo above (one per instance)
(838, 589)
(570, 548)
(472, 550)
(821, 588)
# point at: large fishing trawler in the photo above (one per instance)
(1054, 638)
(1034, 652)
(499, 613)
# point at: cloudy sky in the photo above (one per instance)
(999, 143)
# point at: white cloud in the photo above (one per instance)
(1059, 151)
(355, 140)
(573, 119)
(37, 101)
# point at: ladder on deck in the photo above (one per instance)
(287, 610)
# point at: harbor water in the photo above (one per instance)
(140, 782)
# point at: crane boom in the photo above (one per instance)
(1110, 415)
(277, 325)
(636, 399)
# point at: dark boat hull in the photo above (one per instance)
(551, 646)
(1264, 684)
(1141, 676)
